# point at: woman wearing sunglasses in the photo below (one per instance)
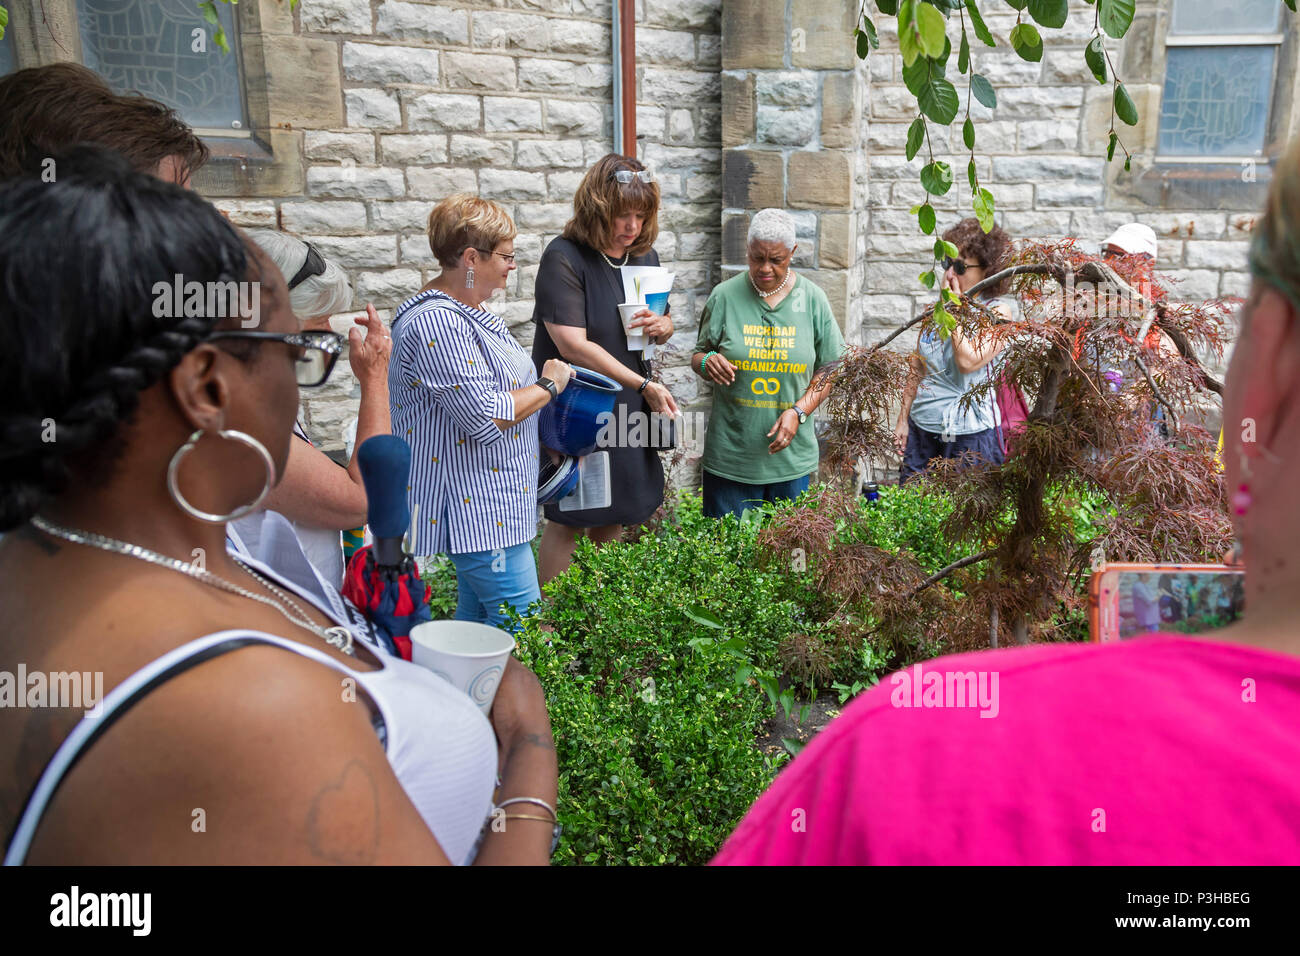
(319, 498)
(578, 290)
(935, 421)
(240, 724)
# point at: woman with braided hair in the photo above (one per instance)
(131, 432)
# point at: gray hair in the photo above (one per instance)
(772, 225)
(324, 294)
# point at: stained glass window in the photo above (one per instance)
(1216, 100)
(150, 46)
(1221, 56)
(1224, 17)
(7, 64)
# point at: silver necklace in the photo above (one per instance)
(763, 294)
(607, 259)
(336, 636)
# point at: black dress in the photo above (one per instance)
(576, 286)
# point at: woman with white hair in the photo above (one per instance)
(318, 497)
(763, 335)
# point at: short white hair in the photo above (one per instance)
(772, 225)
(319, 295)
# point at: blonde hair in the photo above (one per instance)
(601, 199)
(464, 221)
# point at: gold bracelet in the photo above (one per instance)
(528, 816)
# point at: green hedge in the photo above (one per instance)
(661, 663)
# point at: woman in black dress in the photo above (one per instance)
(578, 290)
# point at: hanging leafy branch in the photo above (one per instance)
(925, 47)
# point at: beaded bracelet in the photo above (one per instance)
(705, 361)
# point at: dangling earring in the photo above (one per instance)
(1241, 499)
(469, 278)
(174, 467)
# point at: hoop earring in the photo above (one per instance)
(469, 278)
(174, 467)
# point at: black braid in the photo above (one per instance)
(131, 222)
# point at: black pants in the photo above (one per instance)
(922, 446)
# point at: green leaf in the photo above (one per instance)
(1290, 4)
(968, 133)
(743, 672)
(982, 203)
(943, 320)
(792, 746)
(1110, 147)
(4, 21)
(1128, 163)
(1124, 107)
(915, 209)
(870, 29)
(936, 178)
(1094, 55)
(963, 55)
(970, 174)
(702, 615)
(938, 100)
(220, 40)
(909, 44)
(888, 7)
(1050, 13)
(977, 21)
(1017, 4)
(915, 137)
(864, 45)
(983, 90)
(931, 24)
(209, 11)
(947, 249)
(926, 219)
(1115, 16)
(927, 279)
(1026, 42)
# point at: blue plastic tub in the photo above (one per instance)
(571, 423)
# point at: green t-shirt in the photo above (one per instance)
(775, 351)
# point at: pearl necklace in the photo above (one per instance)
(765, 295)
(610, 262)
(336, 636)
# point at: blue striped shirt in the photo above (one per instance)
(452, 371)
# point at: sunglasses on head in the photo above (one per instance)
(625, 176)
(958, 266)
(313, 266)
(318, 351)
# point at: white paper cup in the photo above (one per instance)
(468, 655)
(636, 338)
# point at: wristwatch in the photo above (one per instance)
(547, 384)
(803, 416)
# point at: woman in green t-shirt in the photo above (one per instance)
(763, 335)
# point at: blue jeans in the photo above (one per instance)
(924, 446)
(488, 579)
(722, 496)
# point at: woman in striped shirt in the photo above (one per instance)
(464, 394)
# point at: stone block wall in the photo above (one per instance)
(397, 104)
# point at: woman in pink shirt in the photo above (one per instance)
(1160, 750)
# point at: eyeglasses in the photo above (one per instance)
(508, 256)
(625, 176)
(313, 266)
(958, 266)
(320, 350)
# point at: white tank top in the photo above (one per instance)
(441, 747)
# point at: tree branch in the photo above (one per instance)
(944, 572)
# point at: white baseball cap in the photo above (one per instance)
(1134, 238)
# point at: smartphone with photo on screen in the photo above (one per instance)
(1132, 600)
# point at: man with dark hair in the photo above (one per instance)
(46, 109)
